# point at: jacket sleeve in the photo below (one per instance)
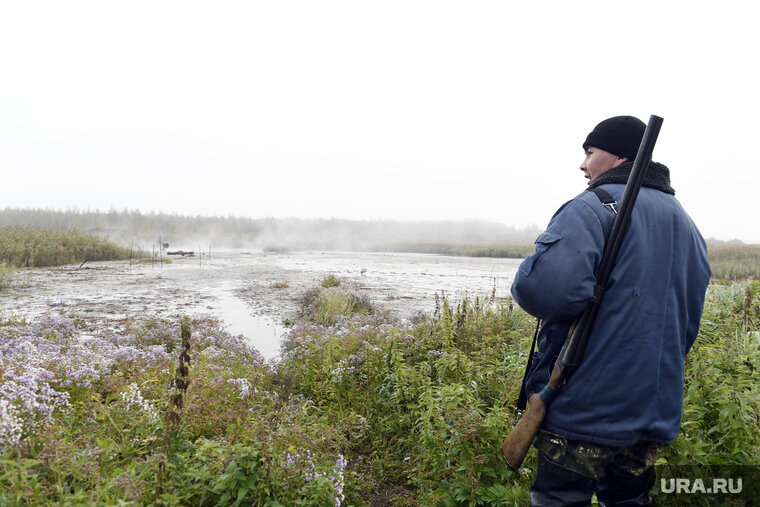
(556, 282)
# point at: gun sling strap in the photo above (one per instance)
(522, 401)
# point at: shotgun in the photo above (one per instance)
(517, 443)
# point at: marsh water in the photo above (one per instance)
(252, 292)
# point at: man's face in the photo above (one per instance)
(598, 162)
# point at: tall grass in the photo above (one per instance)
(6, 274)
(360, 410)
(330, 302)
(22, 246)
(502, 250)
(734, 262)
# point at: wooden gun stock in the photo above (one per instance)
(517, 443)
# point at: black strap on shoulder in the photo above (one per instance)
(605, 198)
(522, 400)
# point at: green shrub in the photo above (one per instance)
(722, 393)
(330, 281)
(330, 303)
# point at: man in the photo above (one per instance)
(608, 424)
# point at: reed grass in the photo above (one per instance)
(505, 250)
(24, 246)
(332, 301)
(734, 262)
(6, 274)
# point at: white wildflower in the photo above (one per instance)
(133, 398)
(11, 426)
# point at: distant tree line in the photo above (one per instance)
(141, 230)
(132, 226)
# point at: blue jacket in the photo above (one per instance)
(629, 386)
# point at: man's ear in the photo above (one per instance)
(620, 161)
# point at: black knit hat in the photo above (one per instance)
(619, 135)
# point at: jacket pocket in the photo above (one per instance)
(543, 243)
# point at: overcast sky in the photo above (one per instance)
(408, 110)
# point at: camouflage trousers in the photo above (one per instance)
(570, 472)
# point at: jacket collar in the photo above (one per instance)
(657, 176)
